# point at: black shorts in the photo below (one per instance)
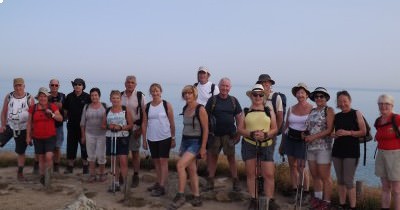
(122, 147)
(42, 146)
(160, 149)
(20, 139)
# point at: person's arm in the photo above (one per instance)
(239, 120)
(284, 132)
(330, 117)
(144, 130)
(204, 136)
(273, 130)
(129, 121)
(171, 124)
(83, 124)
(29, 126)
(4, 115)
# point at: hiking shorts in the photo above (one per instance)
(295, 148)
(134, 143)
(42, 146)
(191, 145)
(160, 149)
(320, 156)
(96, 148)
(219, 143)
(121, 147)
(20, 139)
(249, 152)
(387, 165)
(345, 169)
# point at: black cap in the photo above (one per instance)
(265, 78)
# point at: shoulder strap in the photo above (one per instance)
(147, 109)
(108, 110)
(212, 89)
(195, 84)
(214, 102)
(246, 110)
(139, 95)
(165, 104)
(274, 98)
(267, 111)
(197, 114)
(395, 126)
(104, 105)
(233, 99)
(10, 95)
(28, 98)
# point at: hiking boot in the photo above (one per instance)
(324, 205)
(252, 204)
(196, 201)
(20, 177)
(135, 180)
(157, 192)
(69, 170)
(272, 205)
(153, 187)
(210, 184)
(314, 202)
(235, 184)
(178, 201)
(85, 169)
(56, 168)
(36, 168)
(42, 179)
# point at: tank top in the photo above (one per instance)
(17, 112)
(191, 128)
(386, 136)
(316, 122)
(158, 126)
(117, 118)
(297, 122)
(346, 146)
(257, 120)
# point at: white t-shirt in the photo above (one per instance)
(205, 92)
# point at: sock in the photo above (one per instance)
(20, 169)
(318, 195)
(116, 183)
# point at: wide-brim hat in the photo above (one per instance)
(299, 86)
(79, 81)
(320, 90)
(256, 88)
(265, 78)
(203, 69)
(44, 91)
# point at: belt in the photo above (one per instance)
(266, 143)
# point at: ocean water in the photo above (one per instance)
(364, 100)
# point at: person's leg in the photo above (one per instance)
(338, 165)
(317, 182)
(194, 178)
(72, 147)
(91, 147)
(84, 155)
(134, 145)
(20, 148)
(181, 166)
(350, 166)
(294, 174)
(396, 194)
(57, 151)
(386, 193)
(324, 170)
(268, 172)
(101, 156)
(213, 149)
(48, 160)
(250, 166)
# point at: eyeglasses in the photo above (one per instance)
(319, 96)
(257, 94)
(54, 85)
(77, 84)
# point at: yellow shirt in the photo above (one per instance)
(257, 120)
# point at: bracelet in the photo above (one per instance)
(173, 138)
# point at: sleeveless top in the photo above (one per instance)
(92, 120)
(257, 120)
(189, 129)
(297, 122)
(316, 122)
(17, 112)
(346, 146)
(117, 118)
(158, 126)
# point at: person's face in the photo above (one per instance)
(267, 85)
(188, 96)
(42, 98)
(301, 95)
(257, 97)
(94, 96)
(54, 86)
(130, 85)
(385, 108)
(224, 87)
(344, 103)
(115, 99)
(155, 92)
(320, 99)
(19, 88)
(202, 76)
(78, 87)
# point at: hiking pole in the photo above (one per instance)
(302, 177)
(260, 194)
(113, 154)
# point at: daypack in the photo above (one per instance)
(196, 113)
(266, 110)
(102, 103)
(139, 96)
(364, 139)
(212, 88)
(394, 125)
(212, 122)
(164, 104)
(283, 99)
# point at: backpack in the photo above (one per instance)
(139, 95)
(266, 110)
(164, 104)
(126, 115)
(394, 125)
(34, 110)
(364, 139)
(28, 97)
(212, 121)
(212, 88)
(283, 99)
(196, 113)
(102, 103)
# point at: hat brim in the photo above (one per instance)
(270, 80)
(296, 88)
(248, 93)
(37, 96)
(327, 96)
(204, 72)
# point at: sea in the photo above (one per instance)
(363, 99)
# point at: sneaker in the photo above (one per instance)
(135, 180)
(69, 170)
(20, 177)
(210, 184)
(42, 178)
(85, 169)
(36, 168)
(153, 187)
(235, 185)
(196, 201)
(272, 205)
(341, 207)
(178, 201)
(157, 192)
(252, 204)
(116, 188)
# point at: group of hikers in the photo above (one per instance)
(313, 137)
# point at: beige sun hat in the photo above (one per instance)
(299, 86)
(256, 88)
(44, 91)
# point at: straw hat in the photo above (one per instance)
(299, 86)
(256, 88)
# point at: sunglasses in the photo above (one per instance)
(257, 94)
(77, 84)
(319, 96)
(54, 85)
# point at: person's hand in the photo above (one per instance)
(173, 143)
(342, 132)
(145, 146)
(28, 140)
(308, 138)
(202, 152)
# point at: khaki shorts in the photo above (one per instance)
(387, 164)
(134, 143)
(320, 156)
(221, 142)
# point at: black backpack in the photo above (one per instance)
(164, 104)
(139, 95)
(283, 99)
(196, 112)
(266, 110)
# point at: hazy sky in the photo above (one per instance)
(341, 43)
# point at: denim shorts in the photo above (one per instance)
(191, 145)
(249, 152)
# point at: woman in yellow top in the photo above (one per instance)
(258, 129)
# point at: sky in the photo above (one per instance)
(333, 43)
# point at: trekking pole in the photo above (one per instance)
(113, 159)
(262, 203)
(301, 190)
